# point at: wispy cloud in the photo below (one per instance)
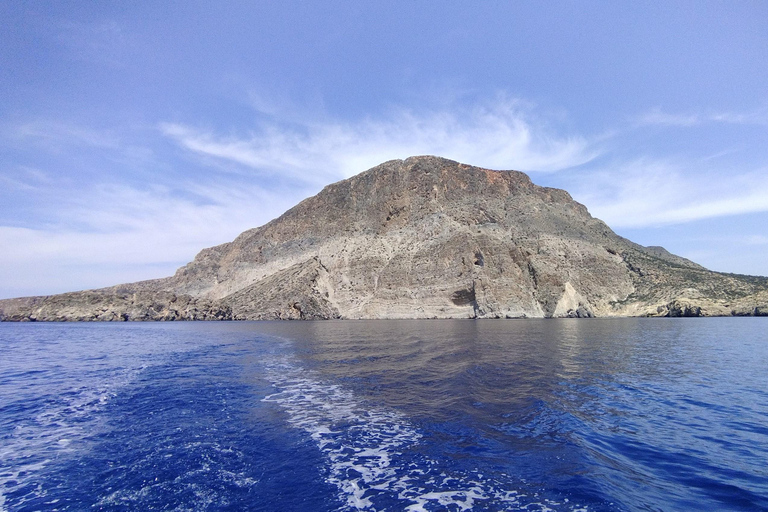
(25, 178)
(109, 234)
(757, 240)
(55, 134)
(103, 42)
(647, 192)
(502, 135)
(657, 116)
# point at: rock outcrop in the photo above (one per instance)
(421, 238)
(103, 305)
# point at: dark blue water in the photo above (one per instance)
(627, 414)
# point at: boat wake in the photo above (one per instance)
(51, 427)
(374, 457)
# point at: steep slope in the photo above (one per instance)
(431, 238)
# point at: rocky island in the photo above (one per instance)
(423, 237)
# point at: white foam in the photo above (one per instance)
(364, 446)
(59, 429)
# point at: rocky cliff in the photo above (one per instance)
(421, 238)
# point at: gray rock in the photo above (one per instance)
(424, 237)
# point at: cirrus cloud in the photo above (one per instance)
(502, 135)
(655, 192)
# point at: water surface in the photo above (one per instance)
(607, 414)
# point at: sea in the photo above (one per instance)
(536, 415)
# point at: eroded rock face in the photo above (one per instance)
(424, 238)
(94, 306)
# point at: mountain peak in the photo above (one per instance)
(424, 237)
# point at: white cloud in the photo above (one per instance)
(648, 192)
(24, 178)
(502, 135)
(656, 116)
(117, 233)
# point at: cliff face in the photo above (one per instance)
(422, 238)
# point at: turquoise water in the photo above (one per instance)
(625, 414)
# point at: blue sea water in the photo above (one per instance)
(594, 415)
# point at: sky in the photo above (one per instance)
(134, 134)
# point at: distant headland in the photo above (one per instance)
(423, 237)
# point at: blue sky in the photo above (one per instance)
(133, 134)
